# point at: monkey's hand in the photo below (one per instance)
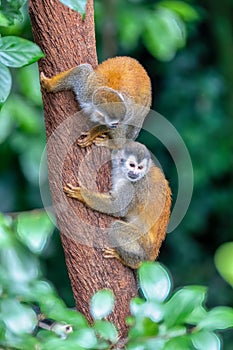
(92, 136)
(45, 82)
(85, 139)
(101, 140)
(73, 192)
(110, 253)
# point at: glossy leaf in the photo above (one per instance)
(179, 343)
(151, 309)
(102, 304)
(164, 34)
(106, 330)
(17, 317)
(184, 10)
(17, 52)
(10, 12)
(34, 228)
(5, 83)
(85, 338)
(76, 5)
(154, 281)
(224, 262)
(183, 303)
(204, 340)
(20, 266)
(220, 317)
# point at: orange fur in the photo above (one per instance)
(126, 75)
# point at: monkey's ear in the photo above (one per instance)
(111, 103)
(106, 95)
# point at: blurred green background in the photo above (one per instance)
(190, 64)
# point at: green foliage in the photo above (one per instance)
(76, 5)
(11, 11)
(190, 91)
(161, 26)
(102, 304)
(162, 319)
(15, 52)
(224, 261)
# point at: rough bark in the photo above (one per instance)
(67, 41)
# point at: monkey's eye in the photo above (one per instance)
(132, 165)
(122, 160)
(140, 167)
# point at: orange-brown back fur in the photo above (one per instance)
(154, 213)
(126, 75)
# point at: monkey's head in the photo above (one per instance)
(109, 105)
(133, 161)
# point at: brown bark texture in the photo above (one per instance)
(68, 40)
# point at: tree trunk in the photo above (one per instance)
(67, 40)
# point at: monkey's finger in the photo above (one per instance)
(71, 187)
(110, 253)
(42, 76)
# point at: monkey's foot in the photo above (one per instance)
(110, 253)
(72, 191)
(85, 139)
(44, 81)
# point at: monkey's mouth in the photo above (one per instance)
(133, 176)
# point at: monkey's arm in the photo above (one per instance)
(115, 204)
(74, 78)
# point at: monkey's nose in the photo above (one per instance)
(114, 125)
(132, 175)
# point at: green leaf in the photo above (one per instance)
(102, 304)
(220, 317)
(76, 5)
(20, 266)
(34, 229)
(85, 338)
(106, 330)
(151, 309)
(17, 52)
(182, 304)
(17, 317)
(179, 343)
(204, 340)
(144, 327)
(154, 281)
(164, 34)
(224, 262)
(5, 233)
(11, 11)
(184, 10)
(5, 83)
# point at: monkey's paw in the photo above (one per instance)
(85, 139)
(101, 140)
(72, 191)
(110, 253)
(44, 81)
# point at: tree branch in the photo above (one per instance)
(67, 41)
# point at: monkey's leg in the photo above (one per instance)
(128, 245)
(74, 78)
(98, 132)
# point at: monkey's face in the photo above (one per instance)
(110, 114)
(133, 168)
(109, 106)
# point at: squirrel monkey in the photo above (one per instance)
(140, 197)
(116, 95)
